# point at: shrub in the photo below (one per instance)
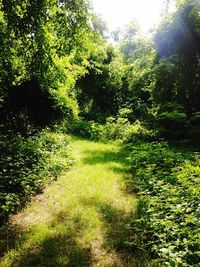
(27, 164)
(118, 128)
(172, 121)
(194, 126)
(87, 129)
(114, 128)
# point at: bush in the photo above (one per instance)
(167, 182)
(114, 128)
(172, 124)
(87, 129)
(118, 128)
(27, 164)
(172, 121)
(194, 126)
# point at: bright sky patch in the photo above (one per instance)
(118, 13)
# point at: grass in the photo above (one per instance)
(79, 220)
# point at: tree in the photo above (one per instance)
(97, 95)
(99, 25)
(138, 54)
(178, 45)
(45, 43)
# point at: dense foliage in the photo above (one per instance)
(27, 164)
(45, 46)
(58, 70)
(176, 85)
(167, 181)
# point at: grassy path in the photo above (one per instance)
(80, 219)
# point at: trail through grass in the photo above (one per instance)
(79, 220)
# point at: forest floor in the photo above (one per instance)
(82, 218)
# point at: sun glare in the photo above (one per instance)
(118, 13)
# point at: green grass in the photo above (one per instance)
(79, 220)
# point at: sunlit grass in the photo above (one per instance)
(81, 219)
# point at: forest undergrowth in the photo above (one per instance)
(28, 164)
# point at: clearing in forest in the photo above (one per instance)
(81, 219)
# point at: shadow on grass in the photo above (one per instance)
(8, 235)
(116, 228)
(61, 248)
(56, 249)
(93, 157)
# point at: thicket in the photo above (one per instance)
(28, 164)
(115, 128)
